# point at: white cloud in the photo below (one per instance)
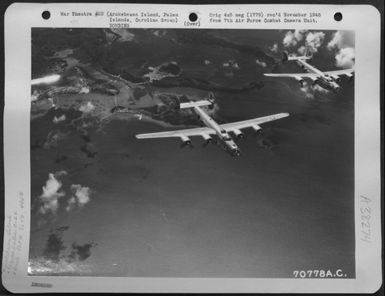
(34, 96)
(53, 139)
(87, 108)
(289, 39)
(299, 34)
(84, 90)
(336, 41)
(59, 119)
(232, 64)
(80, 196)
(320, 89)
(274, 47)
(345, 57)
(302, 50)
(310, 90)
(341, 39)
(314, 40)
(293, 38)
(51, 193)
(307, 90)
(343, 42)
(207, 62)
(260, 63)
(71, 203)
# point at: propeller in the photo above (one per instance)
(207, 142)
(258, 133)
(186, 144)
(240, 137)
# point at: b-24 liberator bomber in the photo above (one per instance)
(328, 79)
(220, 131)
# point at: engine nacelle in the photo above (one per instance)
(238, 134)
(207, 138)
(186, 140)
(314, 80)
(257, 129)
(350, 76)
(300, 81)
(336, 78)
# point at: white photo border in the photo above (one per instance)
(21, 17)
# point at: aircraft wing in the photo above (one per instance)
(347, 72)
(198, 131)
(252, 122)
(293, 75)
(206, 131)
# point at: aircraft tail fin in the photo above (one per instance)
(307, 56)
(194, 104)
